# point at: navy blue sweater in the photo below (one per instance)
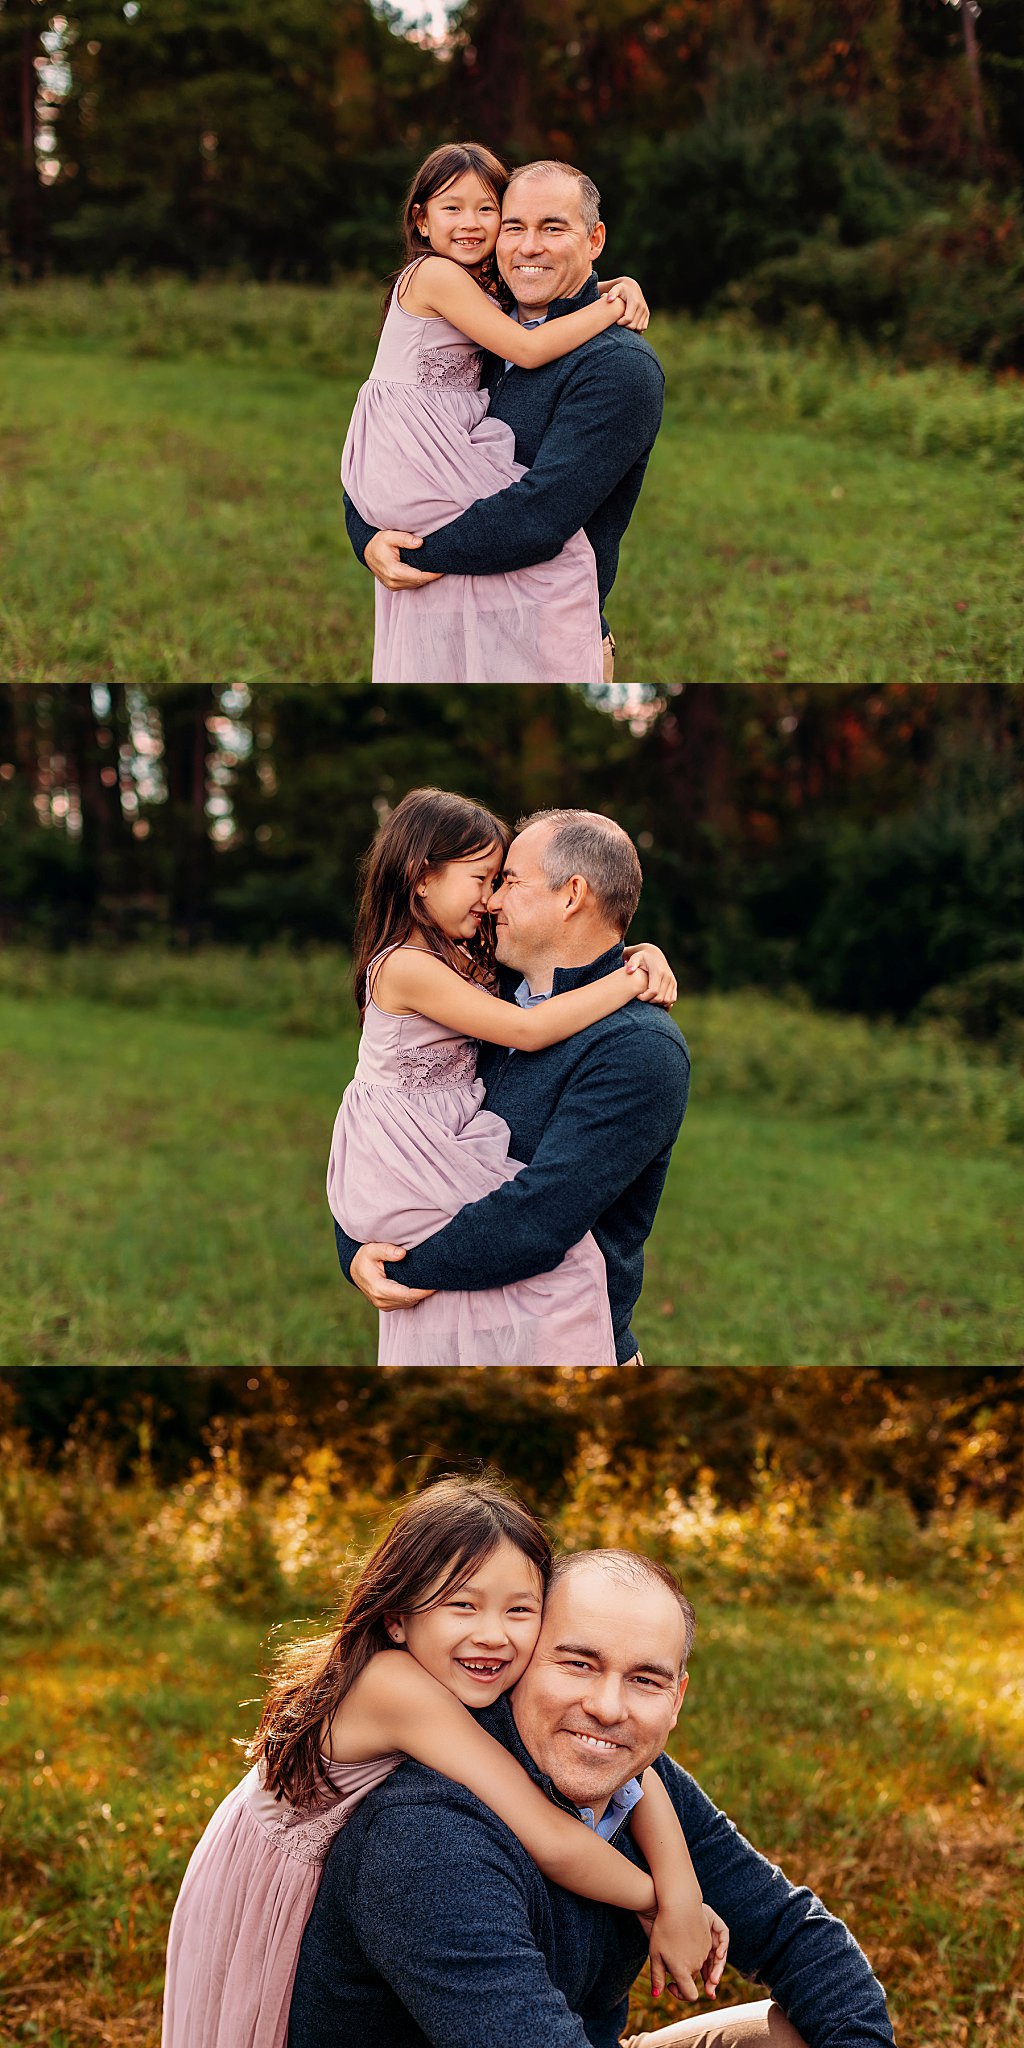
(433, 1926)
(595, 1118)
(584, 427)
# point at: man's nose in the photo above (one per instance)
(496, 896)
(605, 1699)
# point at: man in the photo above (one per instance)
(584, 426)
(595, 1117)
(433, 1925)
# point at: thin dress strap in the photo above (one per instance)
(407, 272)
(399, 946)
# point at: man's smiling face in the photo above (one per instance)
(603, 1691)
(545, 251)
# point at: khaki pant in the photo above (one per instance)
(737, 2026)
(608, 643)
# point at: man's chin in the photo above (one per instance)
(591, 1785)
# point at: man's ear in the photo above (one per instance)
(579, 894)
(683, 1683)
(597, 240)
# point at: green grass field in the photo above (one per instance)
(169, 494)
(862, 1728)
(840, 1195)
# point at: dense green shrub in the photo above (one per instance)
(986, 1006)
(690, 212)
(923, 898)
(949, 282)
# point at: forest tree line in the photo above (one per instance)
(934, 1437)
(864, 155)
(862, 845)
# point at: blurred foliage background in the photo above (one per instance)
(863, 157)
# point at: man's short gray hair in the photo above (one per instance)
(590, 197)
(589, 844)
(631, 1569)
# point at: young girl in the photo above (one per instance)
(421, 448)
(459, 1583)
(412, 1144)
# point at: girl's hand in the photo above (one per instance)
(681, 1940)
(714, 1964)
(661, 982)
(636, 312)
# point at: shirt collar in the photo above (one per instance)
(619, 1806)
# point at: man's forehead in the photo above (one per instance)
(542, 194)
(526, 849)
(631, 1613)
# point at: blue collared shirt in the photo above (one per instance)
(526, 998)
(538, 322)
(619, 1805)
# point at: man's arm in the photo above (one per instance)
(606, 416)
(780, 1934)
(620, 1107)
(358, 532)
(442, 1909)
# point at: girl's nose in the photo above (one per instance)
(490, 1629)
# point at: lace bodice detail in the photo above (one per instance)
(426, 353)
(449, 368)
(306, 1832)
(437, 1066)
(304, 1835)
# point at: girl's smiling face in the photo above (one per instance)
(462, 220)
(458, 896)
(479, 1639)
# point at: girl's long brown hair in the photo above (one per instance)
(429, 828)
(436, 1540)
(436, 171)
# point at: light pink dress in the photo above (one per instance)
(420, 449)
(411, 1147)
(245, 1898)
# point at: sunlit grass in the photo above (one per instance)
(861, 1728)
(166, 1205)
(170, 491)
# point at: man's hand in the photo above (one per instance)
(382, 556)
(635, 311)
(661, 982)
(367, 1273)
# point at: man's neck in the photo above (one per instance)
(539, 975)
(539, 313)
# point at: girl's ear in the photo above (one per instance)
(395, 1627)
(418, 217)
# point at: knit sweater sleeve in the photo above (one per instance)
(446, 1911)
(359, 533)
(781, 1935)
(606, 417)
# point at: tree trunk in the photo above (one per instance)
(973, 70)
(184, 712)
